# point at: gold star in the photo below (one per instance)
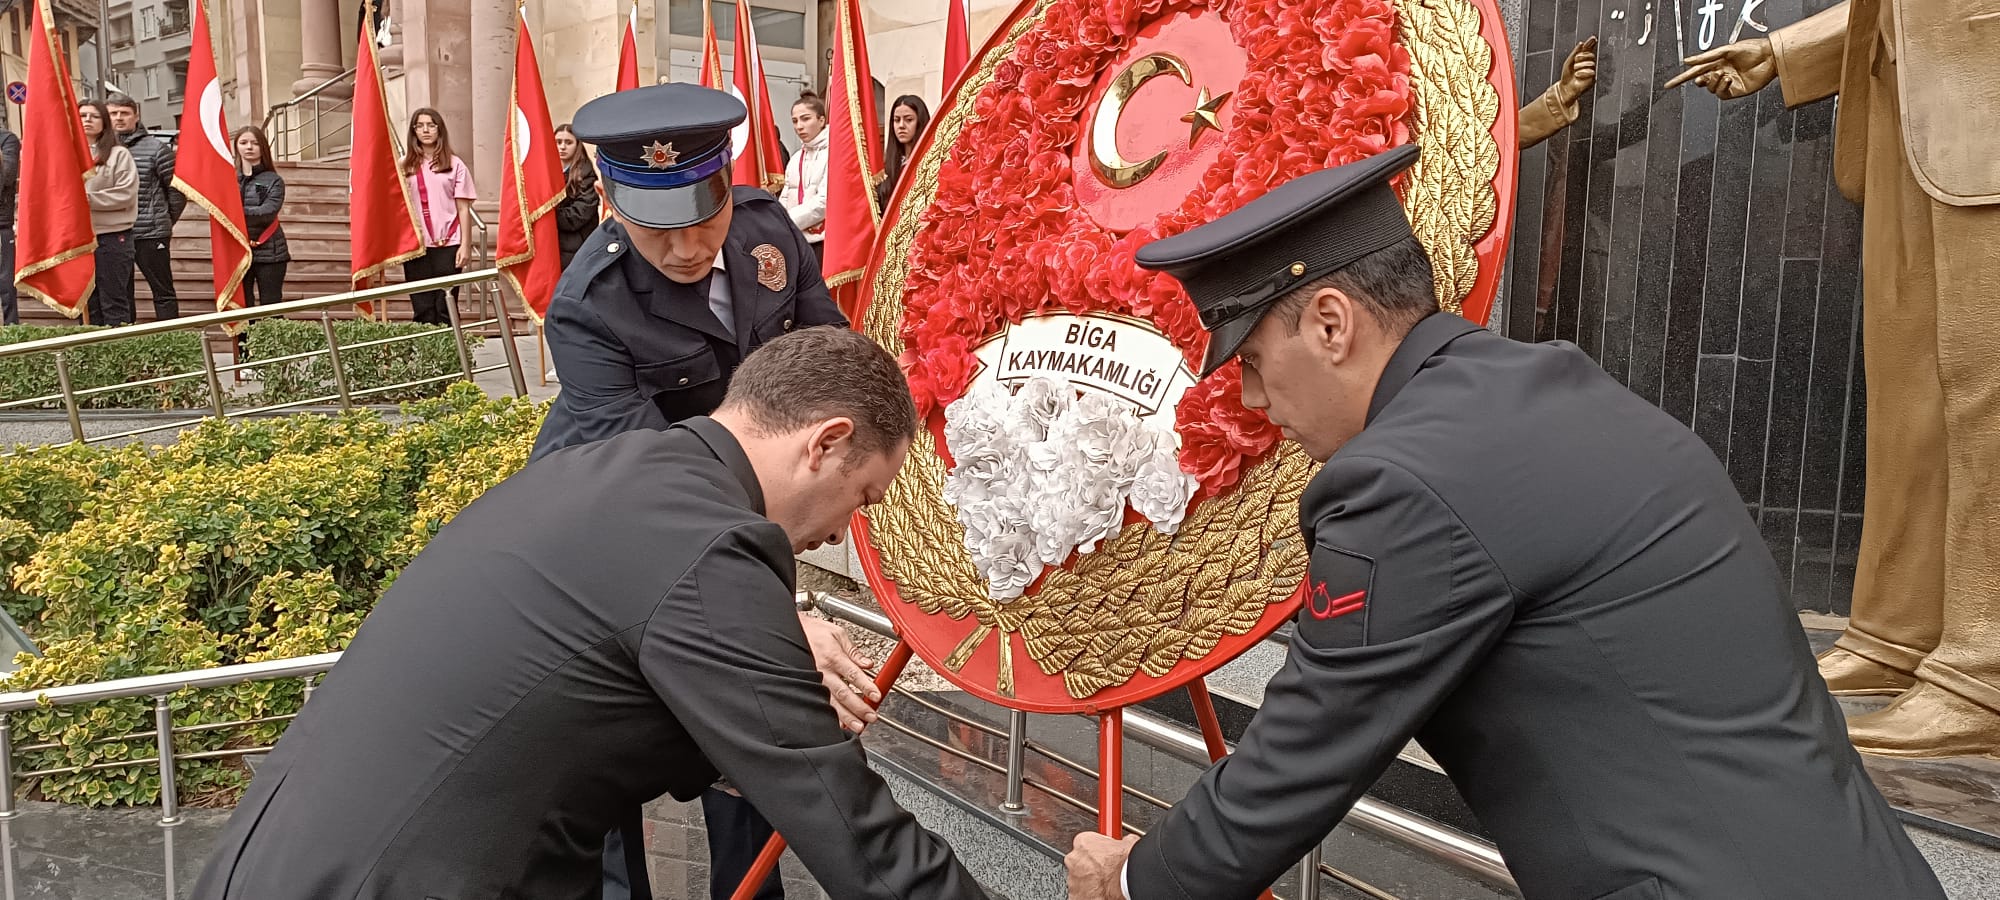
(661, 156)
(1204, 115)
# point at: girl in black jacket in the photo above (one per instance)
(263, 197)
(576, 216)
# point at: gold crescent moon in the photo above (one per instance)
(1112, 169)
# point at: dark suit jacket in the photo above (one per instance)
(635, 350)
(613, 623)
(1553, 587)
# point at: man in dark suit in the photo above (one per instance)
(1548, 583)
(614, 622)
(660, 304)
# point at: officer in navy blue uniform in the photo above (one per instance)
(1548, 583)
(660, 304)
(685, 279)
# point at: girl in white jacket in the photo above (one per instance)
(804, 193)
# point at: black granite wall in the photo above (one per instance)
(1699, 250)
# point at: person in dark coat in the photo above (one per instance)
(10, 185)
(613, 622)
(577, 213)
(663, 300)
(263, 200)
(1547, 582)
(160, 204)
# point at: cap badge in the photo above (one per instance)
(770, 267)
(661, 156)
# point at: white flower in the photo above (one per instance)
(1038, 403)
(1161, 491)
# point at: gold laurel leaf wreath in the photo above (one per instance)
(1144, 601)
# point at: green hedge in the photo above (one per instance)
(98, 365)
(244, 541)
(429, 356)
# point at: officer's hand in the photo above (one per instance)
(1096, 864)
(1732, 71)
(843, 670)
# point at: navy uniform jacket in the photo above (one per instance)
(1554, 587)
(514, 695)
(636, 350)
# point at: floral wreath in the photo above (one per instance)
(969, 276)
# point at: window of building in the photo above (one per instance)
(152, 82)
(149, 23)
(776, 28)
(121, 32)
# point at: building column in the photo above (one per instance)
(493, 24)
(319, 43)
(437, 47)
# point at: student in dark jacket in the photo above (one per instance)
(576, 216)
(263, 198)
(159, 204)
(907, 121)
(10, 179)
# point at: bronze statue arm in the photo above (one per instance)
(1809, 54)
(1557, 107)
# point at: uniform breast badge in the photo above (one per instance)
(770, 267)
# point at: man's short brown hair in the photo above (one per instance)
(816, 374)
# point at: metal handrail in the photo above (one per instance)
(309, 94)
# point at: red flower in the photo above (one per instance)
(1003, 239)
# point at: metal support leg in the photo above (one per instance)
(458, 335)
(7, 810)
(1017, 744)
(1204, 713)
(1309, 874)
(69, 396)
(310, 686)
(163, 720)
(1111, 773)
(214, 380)
(507, 342)
(333, 358)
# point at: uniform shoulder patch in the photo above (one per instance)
(770, 266)
(1335, 612)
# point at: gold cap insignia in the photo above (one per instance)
(770, 267)
(661, 156)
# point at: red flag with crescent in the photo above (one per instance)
(711, 52)
(531, 187)
(382, 225)
(55, 260)
(628, 52)
(205, 170)
(854, 158)
(758, 163)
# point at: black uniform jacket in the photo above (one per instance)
(611, 608)
(636, 350)
(1554, 587)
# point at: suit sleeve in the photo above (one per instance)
(1809, 54)
(10, 162)
(1402, 604)
(815, 304)
(725, 652)
(600, 387)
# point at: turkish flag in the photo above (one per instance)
(628, 52)
(854, 158)
(711, 53)
(55, 260)
(759, 163)
(382, 216)
(205, 169)
(957, 42)
(531, 188)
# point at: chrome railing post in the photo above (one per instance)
(69, 396)
(458, 335)
(333, 357)
(6, 767)
(163, 720)
(507, 343)
(214, 380)
(1017, 745)
(1309, 874)
(310, 685)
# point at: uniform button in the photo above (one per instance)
(611, 247)
(788, 324)
(684, 381)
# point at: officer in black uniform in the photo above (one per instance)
(660, 304)
(1547, 582)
